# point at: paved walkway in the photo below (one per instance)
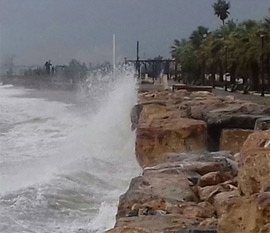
(219, 92)
(252, 98)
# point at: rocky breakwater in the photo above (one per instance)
(250, 212)
(184, 187)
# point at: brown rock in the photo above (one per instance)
(265, 229)
(247, 215)
(233, 139)
(201, 94)
(202, 163)
(196, 107)
(234, 114)
(224, 201)
(201, 210)
(209, 222)
(128, 230)
(254, 172)
(157, 223)
(211, 178)
(208, 193)
(135, 115)
(169, 135)
(263, 123)
(153, 111)
(239, 106)
(157, 190)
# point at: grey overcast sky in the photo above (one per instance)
(37, 30)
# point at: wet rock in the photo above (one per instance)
(169, 135)
(247, 215)
(254, 172)
(233, 139)
(135, 115)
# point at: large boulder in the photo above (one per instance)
(236, 114)
(156, 105)
(202, 163)
(212, 178)
(169, 135)
(254, 172)
(220, 120)
(233, 139)
(157, 190)
(153, 111)
(247, 215)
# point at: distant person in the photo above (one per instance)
(48, 67)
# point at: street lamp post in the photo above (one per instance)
(226, 67)
(262, 65)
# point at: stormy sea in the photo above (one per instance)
(66, 156)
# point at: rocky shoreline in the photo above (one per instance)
(205, 168)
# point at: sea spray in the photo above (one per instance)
(86, 162)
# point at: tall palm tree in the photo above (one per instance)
(221, 8)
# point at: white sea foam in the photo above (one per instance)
(64, 166)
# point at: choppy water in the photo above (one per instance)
(66, 157)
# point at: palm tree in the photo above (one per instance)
(183, 51)
(198, 35)
(235, 48)
(221, 8)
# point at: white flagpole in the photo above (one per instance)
(0, 50)
(114, 55)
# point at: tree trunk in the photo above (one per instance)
(213, 79)
(233, 74)
(268, 72)
(221, 73)
(255, 70)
